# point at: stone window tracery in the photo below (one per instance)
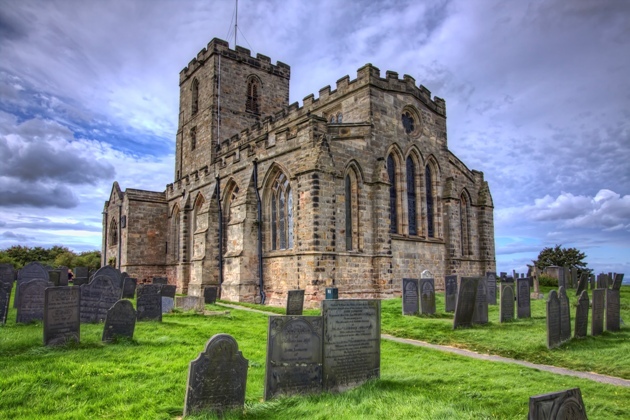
(253, 95)
(195, 96)
(281, 213)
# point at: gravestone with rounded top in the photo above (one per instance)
(553, 320)
(97, 297)
(506, 309)
(111, 272)
(524, 309)
(149, 302)
(562, 405)
(427, 296)
(491, 282)
(30, 271)
(565, 315)
(31, 300)
(598, 308)
(581, 286)
(7, 274)
(120, 321)
(480, 314)
(581, 315)
(410, 297)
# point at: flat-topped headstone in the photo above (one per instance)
(562, 405)
(168, 290)
(5, 298)
(410, 297)
(581, 285)
(581, 316)
(120, 321)
(168, 303)
(210, 294)
(294, 355)
(565, 314)
(332, 293)
(31, 300)
(553, 320)
(352, 342)
(295, 302)
(62, 315)
(613, 310)
(129, 287)
(427, 296)
(111, 272)
(506, 309)
(160, 280)
(97, 297)
(63, 276)
(217, 377)
(149, 302)
(491, 284)
(617, 282)
(598, 309)
(480, 314)
(465, 305)
(81, 272)
(7, 274)
(523, 299)
(189, 303)
(450, 293)
(30, 271)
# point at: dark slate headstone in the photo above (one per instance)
(7, 274)
(210, 294)
(54, 277)
(189, 303)
(120, 321)
(465, 305)
(294, 355)
(78, 281)
(553, 320)
(111, 272)
(5, 298)
(561, 277)
(557, 405)
(410, 297)
(63, 276)
(30, 271)
(617, 282)
(295, 302)
(574, 277)
(31, 300)
(450, 295)
(97, 297)
(168, 290)
(168, 303)
(480, 315)
(581, 316)
(129, 288)
(427, 296)
(524, 307)
(508, 279)
(352, 342)
(217, 377)
(565, 315)
(491, 283)
(62, 315)
(332, 293)
(581, 286)
(149, 302)
(506, 309)
(613, 309)
(598, 307)
(81, 272)
(591, 280)
(160, 280)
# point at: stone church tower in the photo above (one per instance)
(355, 189)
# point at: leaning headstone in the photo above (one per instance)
(31, 300)
(30, 271)
(149, 302)
(427, 296)
(480, 315)
(352, 343)
(294, 355)
(295, 302)
(506, 309)
(120, 321)
(62, 315)
(97, 297)
(168, 290)
(613, 310)
(465, 305)
(189, 303)
(617, 282)
(129, 287)
(491, 282)
(111, 272)
(553, 320)
(160, 280)
(524, 307)
(565, 315)
(581, 316)
(450, 298)
(7, 275)
(410, 297)
(216, 378)
(557, 405)
(5, 298)
(168, 303)
(597, 315)
(581, 286)
(210, 295)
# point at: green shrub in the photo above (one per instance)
(545, 280)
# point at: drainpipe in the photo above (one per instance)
(259, 220)
(218, 191)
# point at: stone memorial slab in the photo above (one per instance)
(5, 298)
(217, 377)
(480, 314)
(613, 310)
(617, 282)
(54, 276)
(565, 315)
(491, 283)
(508, 279)
(7, 275)
(410, 297)
(553, 320)
(427, 296)
(557, 405)
(168, 290)
(189, 303)
(168, 303)
(149, 302)
(581, 286)
(160, 280)
(62, 315)
(111, 272)
(210, 294)
(295, 302)
(465, 305)
(506, 309)
(120, 321)
(30, 271)
(352, 342)
(31, 297)
(523, 299)
(129, 287)
(97, 297)
(597, 315)
(294, 355)
(332, 293)
(450, 293)
(581, 315)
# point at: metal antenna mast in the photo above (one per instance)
(236, 24)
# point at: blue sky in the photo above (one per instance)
(537, 96)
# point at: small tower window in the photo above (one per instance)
(193, 138)
(195, 96)
(253, 95)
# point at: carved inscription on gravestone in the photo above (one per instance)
(352, 342)
(465, 305)
(581, 315)
(450, 298)
(62, 315)
(120, 321)
(563, 405)
(480, 314)
(553, 320)
(506, 310)
(217, 377)
(295, 302)
(5, 297)
(565, 315)
(524, 309)
(149, 302)
(613, 309)
(129, 287)
(210, 295)
(427, 296)
(410, 297)
(294, 355)
(491, 282)
(97, 297)
(597, 316)
(31, 300)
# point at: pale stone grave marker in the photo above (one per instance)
(598, 307)
(120, 321)
(210, 295)
(565, 315)
(480, 314)
(97, 297)
(581, 315)
(427, 296)
(562, 405)
(553, 320)
(62, 315)
(617, 282)
(506, 310)
(30, 271)
(450, 298)
(129, 287)
(5, 298)
(189, 303)
(31, 300)
(613, 310)
(168, 303)
(491, 283)
(410, 297)
(465, 305)
(295, 302)
(149, 302)
(217, 377)
(524, 307)
(582, 284)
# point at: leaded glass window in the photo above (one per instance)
(391, 173)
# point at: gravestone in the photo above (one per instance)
(216, 378)
(465, 305)
(149, 302)
(597, 315)
(81, 272)
(7, 275)
(581, 316)
(480, 314)
(30, 271)
(5, 298)
(553, 320)
(508, 279)
(294, 355)
(506, 309)
(160, 280)
(210, 295)
(120, 321)
(524, 308)
(168, 290)
(574, 277)
(410, 297)
(591, 280)
(557, 405)
(491, 284)
(31, 298)
(63, 276)
(613, 310)
(79, 281)
(352, 342)
(97, 297)
(54, 277)
(168, 303)
(295, 302)
(450, 298)
(189, 303)
(129, 288)
(332, 293)
(427, 296)
(62, 315)
(565, 315)
(602, 281)
(581, 286)
(617, 282)
(111, 272)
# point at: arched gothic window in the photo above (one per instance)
(428, 181)
(281, 203)
(174, 242)
(253, 95)
(411, 197)
(352, 211)
(195, 222)
(113, 232)
(195, 96)
(227, 215)
(464, 225)
(193, 138)
(393, 208)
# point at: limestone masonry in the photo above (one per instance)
(355, 189)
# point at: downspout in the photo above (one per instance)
(119, 235)
(218, 191)
(261, 283)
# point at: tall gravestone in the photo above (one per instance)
(506, 309)
(491, 282)
(427, 296)
(465, 305)
(63, 276)
(30, 271)
(617, 282)
(217, 377)
(613, 310)
(62, 315)
(129, 287)
(480, 314)
(5, 298)
(581, 286)
(81, 276)
(565, 314)
(111, 272)
(294, 355)
(168, 297)
(149, 302)
(591, 280)
(581, 316)
(295, 302)
(97, 297)
(563, 405)
(450, 289)
(554, 338)
(524, 308)
(31, 298)
(598, 307)
(602, 281)
(574, 277)
(210, 295)
(120, 321)
(561, 278)
(410, 297)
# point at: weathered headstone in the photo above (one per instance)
(602, 281)
(63, 276)
(574, 277)
(591, 280)
(168, 303)
(597, 315)
(294, 355)
(491, 283)
(160, 280)
(120, 321)
(295, 302)
(613, 310)
(565, 314)
(129, 287)
(506, 309)
(62, 315)
(7, 274)
(111, 272)
(352, 343)
(189, 303)
(168, 290)
(427, 296)
(524, 307)
(31, 300)
(480, 315)
(553, 320)
(410, 297)
(332, 293)
(581, 316)
(465, 305)
(617, 281)
(54, 276)
(97, 297)
(5, 298)
(78, 281)
(217, 377)
(450, 298)
(81, 272)
(149, 302)
(561, 277)
(563, 405)
(210, 295)
(581, 286)
(30, 271)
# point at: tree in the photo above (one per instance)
(561, 257)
